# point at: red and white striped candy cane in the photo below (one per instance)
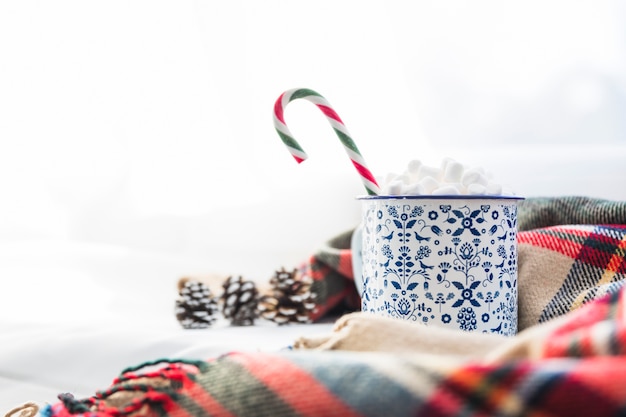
(340, 129)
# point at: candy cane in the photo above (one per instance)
(340, 129)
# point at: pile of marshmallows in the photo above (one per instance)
(451, 178)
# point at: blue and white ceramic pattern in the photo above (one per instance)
(445, 261)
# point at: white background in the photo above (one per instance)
(147, 124)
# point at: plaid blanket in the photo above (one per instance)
(568, 359)
(580, 370)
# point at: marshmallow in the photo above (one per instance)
(446, 190)
(494, 189)
(444, 163)
(389, 177)
(426, 171)
(476, 189)
(452, 178)
(414, 166)
(428, 184)
(394, 188)
(414, 189)
(473, 176)
(405, 178)
(453, 172)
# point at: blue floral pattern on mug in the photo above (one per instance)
(450, 262)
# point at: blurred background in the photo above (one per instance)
(146, 126)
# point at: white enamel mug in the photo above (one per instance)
(447, 261)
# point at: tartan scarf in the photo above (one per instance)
(579, 370)
(569, 359)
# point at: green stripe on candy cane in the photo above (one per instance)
(371, 186)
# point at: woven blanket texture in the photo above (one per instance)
(579, 370)
(568, 359)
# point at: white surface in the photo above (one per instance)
(73, 316)
(39, 362)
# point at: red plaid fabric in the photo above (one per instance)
(597, 263)
(577, 368)
(333, 280)
(581, 371)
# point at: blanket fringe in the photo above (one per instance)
(24, 410)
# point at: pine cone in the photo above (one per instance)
(196, 307)
(291, 299)
(239, 301)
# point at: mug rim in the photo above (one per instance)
(440, 197)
